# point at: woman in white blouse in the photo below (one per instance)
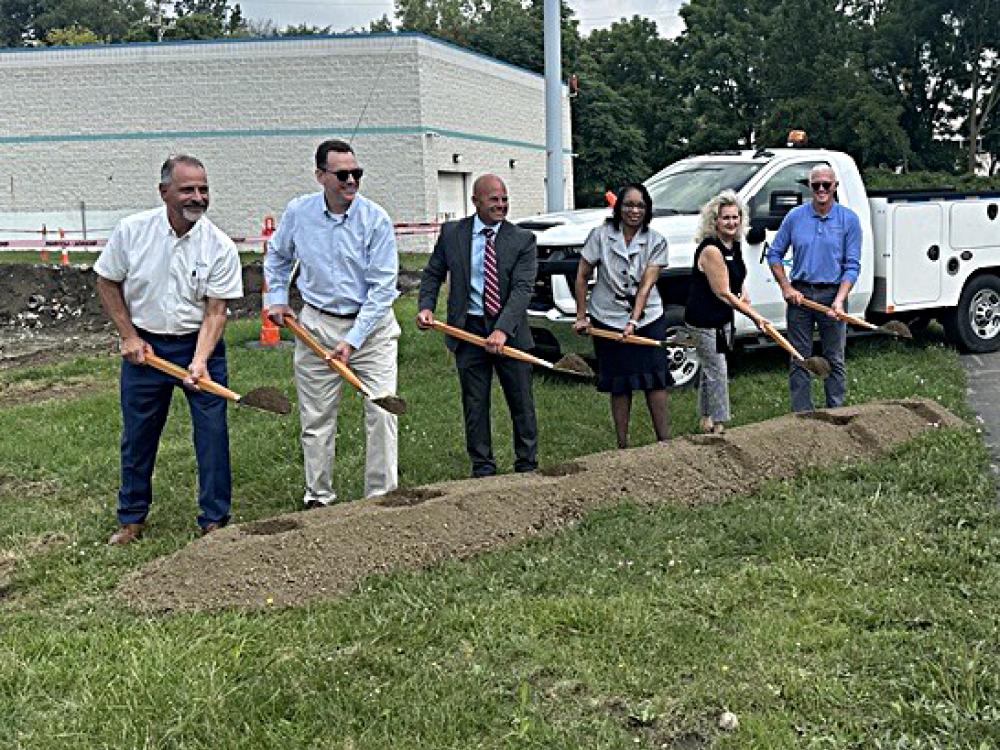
(627, 256)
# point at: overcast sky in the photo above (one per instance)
(344, 14)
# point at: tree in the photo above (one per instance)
(228, 19)
(71, 36)
(508, 30)
(380, 25)
(610, 147)
(814, 77)
(639, 65)
(305, 29)
(973, 39)
(721, 56)
(901, 41)
(30, 21)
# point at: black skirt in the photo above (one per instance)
(623, 368)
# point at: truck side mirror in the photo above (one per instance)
(756, 234)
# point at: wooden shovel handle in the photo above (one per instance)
(507, 351)
(784, 343)
(179, 372)
(818, 307)
(616, 336)
(335, 364)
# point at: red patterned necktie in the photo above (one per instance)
(491, 287)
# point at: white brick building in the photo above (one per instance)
(91, 125)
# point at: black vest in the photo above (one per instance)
(704, 309)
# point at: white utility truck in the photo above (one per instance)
(926, 254)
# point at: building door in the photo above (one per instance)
(453, 195)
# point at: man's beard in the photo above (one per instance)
(193, 213)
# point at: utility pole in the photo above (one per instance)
(159, 20)
(554, 190)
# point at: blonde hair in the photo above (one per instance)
(710, 214)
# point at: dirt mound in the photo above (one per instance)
(293, 559)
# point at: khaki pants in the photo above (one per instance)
(319, 390)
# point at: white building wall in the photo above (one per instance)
(93, 124)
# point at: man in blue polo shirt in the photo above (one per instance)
(826, 238)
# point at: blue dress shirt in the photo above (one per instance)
(348, 263)
(827, 249)
(476, 266)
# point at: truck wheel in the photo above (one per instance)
(682, 361)
(974, 324)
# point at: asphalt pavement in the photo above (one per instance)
(983, 395)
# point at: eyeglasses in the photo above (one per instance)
(634, 206)
(342, 174)
(821, 185)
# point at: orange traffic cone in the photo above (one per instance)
(63, 251)
(269, 333)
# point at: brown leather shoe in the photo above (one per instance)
(209, 528)
(127, 532)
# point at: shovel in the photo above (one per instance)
(818, 366)
(895, 328)
(571, 364)
(267, 399)
(392, 404)
(681, 339)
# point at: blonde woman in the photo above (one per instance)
(717, 288)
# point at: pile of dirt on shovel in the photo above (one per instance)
(297, 558)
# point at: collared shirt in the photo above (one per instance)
(165, 278)
(619, 273)
(827, 249)
(476, 268)
(348, 263)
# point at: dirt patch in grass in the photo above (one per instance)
(9, 559)
(322, 554)
(24, 391)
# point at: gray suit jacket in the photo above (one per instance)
(516, 268)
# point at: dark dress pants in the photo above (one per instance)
(145, 402)
(833, 340)
(475, 375)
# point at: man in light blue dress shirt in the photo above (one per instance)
(346, 248)
(826, 238)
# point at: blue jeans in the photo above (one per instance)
(145, 402)
(833, 339)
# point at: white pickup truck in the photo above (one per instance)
(925, 254)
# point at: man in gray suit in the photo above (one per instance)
(492, 266)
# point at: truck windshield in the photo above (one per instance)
(684, 187)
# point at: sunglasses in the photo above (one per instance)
(821, 185)
(342, 174)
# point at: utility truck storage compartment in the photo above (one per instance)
(975, 224)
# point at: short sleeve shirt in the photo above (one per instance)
(619, 273)
(165, 278)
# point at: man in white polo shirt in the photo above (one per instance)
(163, 279)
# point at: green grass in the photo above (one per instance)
(850, 608)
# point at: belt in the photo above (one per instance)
(345, 316)
(817, 284)
(169, 336)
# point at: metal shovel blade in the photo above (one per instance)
(392, 404)
(897, 328)
(575, 365)
(267, 399)
(818, 366)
